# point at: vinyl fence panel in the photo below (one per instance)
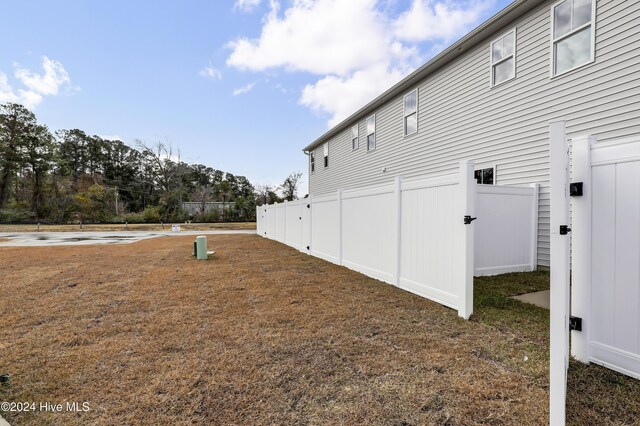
(506, 230)
(325, 228)
(281, 222)
(293, 224)
(415, 233)
(368, 231)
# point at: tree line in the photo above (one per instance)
(69, 176)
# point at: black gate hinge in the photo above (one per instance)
(575, 323)
(468, 219)
(564, 229)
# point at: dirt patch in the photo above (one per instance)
(129, 227)
(4, 240)
(261, 334)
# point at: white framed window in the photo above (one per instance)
(326, 154)
(486, 176)
(411, 112)
(572, 35)
(371, 133)
(503, 58)
(355, 143)
(312, 160)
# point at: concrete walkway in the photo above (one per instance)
(538, 298)
(38, 239)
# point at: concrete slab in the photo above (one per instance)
(538, 298)
(39, 239)
(3, 422)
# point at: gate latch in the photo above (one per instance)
(468, 219)
(575, 323)
(564, 229)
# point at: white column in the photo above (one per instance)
(340, 234)
(581, 246)
(559, 174)
(534, 227)
(398, 220)
(468, 192)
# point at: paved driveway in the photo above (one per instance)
(35, 239)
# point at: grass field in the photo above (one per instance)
(129, 227)
(262, 334)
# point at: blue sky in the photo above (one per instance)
(239, 85)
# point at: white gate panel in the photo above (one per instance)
(281, 222)
(431, 238)
(294, 224)
(325, 228)
(271, 222)
(607, 263)
(369, 231)
(615, 337)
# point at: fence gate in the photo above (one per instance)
(606, 255)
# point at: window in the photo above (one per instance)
(355, 143)
(485, 176)
(572, 35)
(312, 159)
(326, 154)
(503, 58)
(411, 113)
(371, 133)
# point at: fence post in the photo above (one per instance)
(559, 327)
(581, 246)
(339, 226)
(398, 195)
(534, 227)
(468, 203)
(284, 235)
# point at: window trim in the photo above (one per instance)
(312, 161)
(554, 41)
(492, 64)
(375, 131)
(404, 113)
(325, 155)
(488, 166)
(356, 138)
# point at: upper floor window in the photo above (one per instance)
(371, 133)
(312, 159)
(503, 58)
(411, 113)
(572, 35)
(355, 143)
(485, 176)
(326, 154)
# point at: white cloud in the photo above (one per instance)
(6, 92)
(244, 89)
(342, 96)
(246, 5)
(444, 20)
(321, 37)
(38, 86)
(210, 72)
(355, 47)
(48, 83)
(115, 137)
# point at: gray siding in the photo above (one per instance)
(461, 117)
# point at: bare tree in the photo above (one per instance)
(289, 187)
(203, 196)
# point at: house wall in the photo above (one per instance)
(461, 117)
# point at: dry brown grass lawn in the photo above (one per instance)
(261, 334)
(129, 227)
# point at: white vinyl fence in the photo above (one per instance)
(412, 233)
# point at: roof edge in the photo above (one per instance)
(480, 33)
